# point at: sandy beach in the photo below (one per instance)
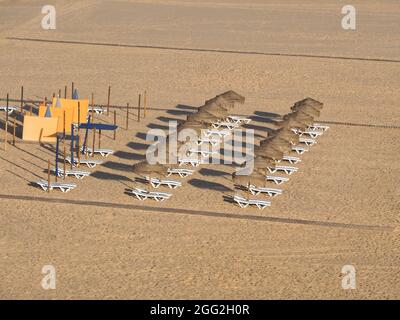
(340, 208)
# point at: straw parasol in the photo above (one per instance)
(214, 109)
(286, 134)
(310, 102)
(255, 178)
(144, 168)
(300, 117)
(307, 109)
(268, 152)
(202, 116)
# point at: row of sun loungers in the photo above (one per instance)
(142, 194)
(102, 152)
(9, 109)
(64, 187)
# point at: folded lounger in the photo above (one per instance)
(243, 202)
(286, 169)
(219, 133)
(102, 152)
(91, 163)
(76, 173)
(182, 172)
(142, 194)
(307, 142)
(225, 124)
(97, 110)
(292, 160)
(213, 142)
(299, 150)
(10, 109)
(257, 190)
(194, 162)
(317, 126)
(204, 153)
(169, 183)
(277, 180)
(238, 119)
(64, 187)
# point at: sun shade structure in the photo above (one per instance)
(214, 109)
(307, 109)
(259, 164)
(254, 178)
(300, 117)
(276, 143)
(203, 116)
(144, 168)
(58, 102)
(286, 134)
(291, 124)
(268, 152)
(48, 112)
(310, 102)
(194, 125)
(227, 99)
(75, 95)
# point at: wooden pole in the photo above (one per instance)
(59, 93)
(45, 101)
(93, 113)
(108, 100)
(94, 140)
(65, 92)
(64, 124)
(30, 110)
(72, 89)
(48, 175)
(139, 107)
(6, 125)
(65, 163)
(115, 123)
(22, 99)
(144, 103)
(14, 130)
(99, 139)
(127, 116)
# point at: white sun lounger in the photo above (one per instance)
(317, 126)
(292, 160)
(287, 170)
(270, 191)
(97, 110)
(10, 109)
(299, 150)
(169, 183)
(102, 152)
(182, 172)
(312, 133)
(64, 187)
(91, 163)
(219, 133)
(243, 202)
(142, 194)
(213, 142)
(204, 153)
(307, 142)
(238, 119)
(76, 173)
(277, 180)
(225, 124)
(192, 161)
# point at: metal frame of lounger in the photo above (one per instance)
(155, 182)
(257, 190)
(219, 133)
(142, 195)
(183, 173)
(243, 202)
(277, 180)
(9, 109)
(97, 110)
(299, 150)
(213, 142)
(237, 119)
(313, 134)
(292, 160)
(102, 152)
(286, 169)
(317, 126)
(307, 142)
(193, 162)
(226, 124)
(203, 153)
(91, 163)
(78, 174)
(64, 187)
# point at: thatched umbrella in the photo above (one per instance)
(291, 124)
(231, 96)
(202, 116)
(286, 134)
(309, 101)
(268, 152)
(194, 125)
(144, 168)
(254, 178)
(307, 109)
(214, 109)
(300, 117)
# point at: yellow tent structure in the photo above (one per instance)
(42, 129)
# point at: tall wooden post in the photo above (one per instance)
(14, 130)
(6, 125)
(139, 107)
(115, 123)
(94, 140)
(99, 138)
(127, 116)
(59, 93)
(144, 103)
(65, 92)
(108, 100)
(48, 175)
(72, 90)
(65, 162)
(64, 120)
(30, 110)
(22, 99)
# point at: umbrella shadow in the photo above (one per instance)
(212, 172)
(203, 184)
(129, 155)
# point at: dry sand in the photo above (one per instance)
(340, 208)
